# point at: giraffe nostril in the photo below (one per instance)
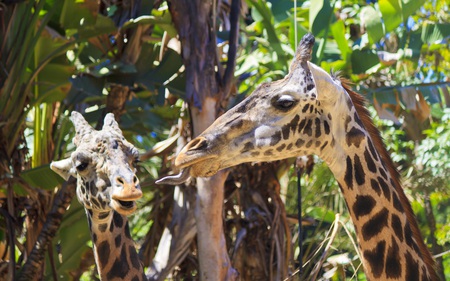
(199, 143)
(135, 180)
(120, 180)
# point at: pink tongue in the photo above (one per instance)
(175, 179)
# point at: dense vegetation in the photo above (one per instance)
(125, 57)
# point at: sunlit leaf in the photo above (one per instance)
(372, 21)
(391, 11)
(338, 31)
(432, 33)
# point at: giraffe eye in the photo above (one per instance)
(284, 103)
(82, 166)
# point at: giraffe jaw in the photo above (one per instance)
(200, 162)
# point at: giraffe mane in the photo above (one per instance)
(360, 105)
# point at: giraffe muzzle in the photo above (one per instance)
(123, 199)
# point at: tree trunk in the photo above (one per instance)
(205, 88)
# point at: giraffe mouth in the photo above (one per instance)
(124, 207)
(126, 204)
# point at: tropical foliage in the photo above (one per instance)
(125, 57)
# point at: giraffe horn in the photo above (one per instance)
(82, 127)
(111, 123)
(304, 50)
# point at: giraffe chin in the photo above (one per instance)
(124, 208)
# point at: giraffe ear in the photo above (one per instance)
(82, 127)
(111, 123)
(64, 168)
(327, 87)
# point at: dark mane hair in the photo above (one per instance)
(359, 102)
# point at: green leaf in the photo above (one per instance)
(164, 22)
(103, 25)
(391, 11)
(166, 112)
(169, 65)
(42, 177)
(79, 13)
(320, 15)
(83, 87)
(321, 214)
(54, 83)
(363, 60)
(338, 31)
(280, 9)
(409, 7)
(432, 33)
(47, 44)
(263, 16)
(372, 21)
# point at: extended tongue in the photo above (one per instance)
(175, 179)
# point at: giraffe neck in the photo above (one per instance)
(114, 249)
(390, 243)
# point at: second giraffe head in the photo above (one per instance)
(104, 165)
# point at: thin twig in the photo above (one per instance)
(318, 266)
(441, 254)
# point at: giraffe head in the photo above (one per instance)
(103, 163)
(281, 119)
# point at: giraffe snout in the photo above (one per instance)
(127, 190)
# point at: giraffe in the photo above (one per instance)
(312, 112)
(107, 187)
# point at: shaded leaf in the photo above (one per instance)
(103, 25)
(362, 60)
(77, 14)
(54, 82)
(410, 6)
(42, 177)
(168, 66)
(320, 15)
(83, 87)
(430, 93)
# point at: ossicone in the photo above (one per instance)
(304, 50)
